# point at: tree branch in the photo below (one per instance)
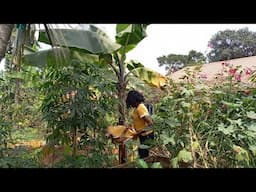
(115, 70)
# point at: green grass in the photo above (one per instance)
(27, 134)
(22, 156)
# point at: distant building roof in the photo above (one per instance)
(211, 71)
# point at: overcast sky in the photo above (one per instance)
(164, 39)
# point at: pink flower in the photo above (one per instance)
(226, 64)
(232, 71)
(248, 71)
(238, 77)
(203, 75)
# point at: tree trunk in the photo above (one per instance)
(5, 34)
(16, 61)
(121, 106)
(74, 138)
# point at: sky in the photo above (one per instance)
(165, 39)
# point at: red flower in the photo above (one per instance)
(232, 71)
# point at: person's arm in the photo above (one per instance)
(148, 120)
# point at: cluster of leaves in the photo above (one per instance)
(209, 126)
(76, 97)
(231, 44)
(174, 62)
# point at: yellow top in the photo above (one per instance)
(120, 131)
(137, 115)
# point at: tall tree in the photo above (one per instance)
(231, 44)
(174, 62)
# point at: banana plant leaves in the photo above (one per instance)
(149, 76)
(93, 40)
(40, 58)
(129, 35)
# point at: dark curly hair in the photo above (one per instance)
(134, 98)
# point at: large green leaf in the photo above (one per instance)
(151, 77)
(241, 154)
(251, 114)
(133, 65)
(84, 57)
(185, 156)
(93, 40)
(39, 58)
(129, 35)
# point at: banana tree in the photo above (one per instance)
(94, 45)
(5, 34)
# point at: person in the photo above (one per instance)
(142, 121)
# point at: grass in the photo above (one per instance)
(27, 134)
(23, 151)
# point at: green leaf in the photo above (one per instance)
(253, 149)
(187, 92)
(105, 59)
(129, 35)
(151, 77)
(133, 65)
(251, 114)
(237, 122)
(185, 104)
(85, 57)
(185, 156)
(93, 40)
(195, 145)
(121, 27)
(241, 154)
(41, 58)
(175, 162)
(142, 164)
(226, 131)
(156, 165)
(232, 105)
(166, 140)
(252, 127)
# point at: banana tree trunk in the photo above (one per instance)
(5, 34)
(16, 61)
(121, 95)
